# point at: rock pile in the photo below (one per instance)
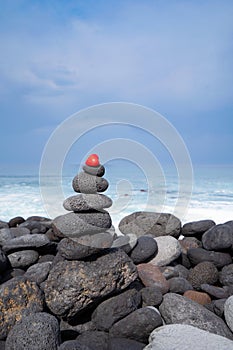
(84, 288)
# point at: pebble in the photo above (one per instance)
(202, 273)
(112, 310)
(150, 223)
(23, 259)
(71, 249)
(138, 325)
(78, 224)
(179, 285)
(216, 292)
(73, 345)
(5, 235)
(14, 222)
(169, 272)
(168, 250)
(85, 183)
(31, 241)
(197, 227)
(199, 297)
(35, 332)
(84, 202)
(18, 297)
(226, 275)
(217, 238)
(96, 340)
(38, 272)
(150, 275)
(96, 171)
(189, 242)
(145, 249)
(126, 242)
(186, 337)
(151, 296)
(178, 309)
(125, 344)
(198, 255)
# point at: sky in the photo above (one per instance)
(58, 57)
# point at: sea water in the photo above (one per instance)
(131, 190)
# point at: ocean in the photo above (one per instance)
(130, 189)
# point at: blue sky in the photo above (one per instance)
(58, 57)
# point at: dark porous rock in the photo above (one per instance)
(216, 292)
(38, 272)
(4, 262)
(150, 223)
(80, 325)
(5, 235)
(84, 202)
(125, 344)
(145, 249)
(151, 296)
(75, 285)
(73, 345)
(70, 249)
(19, 231)
(197, 227)
(23, 259)
(94, 170)
(78, 224)
(16, 221)
(35, 332)
(189, 242)
(138, 325)
(96, 340)
(112, 310)
(33, 241)
(169, 272)
(35, 226)
(3, 224)
(179, 285)
(197, 255)
(178, 309)
(85, 183)
(226, 275)
(182, 271)
(202, 273)
(218, 237)
(150, 275)
(126, 242)
(99, 241)
(18, 297)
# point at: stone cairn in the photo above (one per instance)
(88, 223)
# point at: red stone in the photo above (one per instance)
(93, 160)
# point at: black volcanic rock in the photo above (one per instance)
(145, 248)
(197, 255)
(196, 227)
(202, 273)
(218, 237)
(85, 183)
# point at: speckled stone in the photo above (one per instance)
(74, 225)
(34, 332)
(202, 273)
(18, 297)
(85, 183)
(84, 202)
(23, 259)
(150, 223)
(38, 272)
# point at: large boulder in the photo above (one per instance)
(75, 285)
(150, 223)
(178, 309)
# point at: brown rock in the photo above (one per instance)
(198, 297)
(150, 275)
(18, 297)
(188, 243)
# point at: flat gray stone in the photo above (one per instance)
(169, 249)
(23, 258)
(38, 272)
(150, 223)
(94, 170)
(84, 202)
(74, 225)
(26, 242)
(178, 309)
(185, 337)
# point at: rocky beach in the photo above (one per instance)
(74, 283)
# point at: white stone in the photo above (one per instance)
(184, 337)
(169, 249)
